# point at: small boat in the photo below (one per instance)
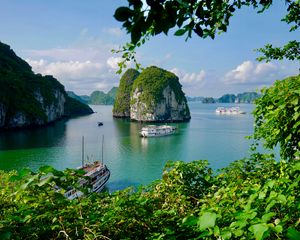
(231, 110)
(157, 131)
(97, 175)
(100, 124)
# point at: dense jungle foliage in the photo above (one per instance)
(256, 198)
(253, 198)
(122, 101)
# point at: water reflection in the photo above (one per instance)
(43, 137)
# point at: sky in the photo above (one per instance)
(72, 40)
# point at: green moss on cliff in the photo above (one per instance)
(152, 82)
(122, 102)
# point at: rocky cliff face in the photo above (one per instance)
(28, 99)
(157, 97)
(121, 107)
(52, 111)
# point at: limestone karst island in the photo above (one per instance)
(28, 99)
(154, 95)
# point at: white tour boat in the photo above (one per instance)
(231, 110)
(157, 131)
(97, 175)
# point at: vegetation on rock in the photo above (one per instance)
(75, 108)
(153, 80)
(149, 90)
(122, 103)
(26, 93)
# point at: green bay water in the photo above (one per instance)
(133, 160)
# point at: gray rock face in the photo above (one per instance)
(166, 110)
(53, 112)
(18, 120)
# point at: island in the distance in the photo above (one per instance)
(154, 95)
(28, 99)
(245, 97)
(96, 97)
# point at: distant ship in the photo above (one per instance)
(97, 173)
(231, 110)
(157, 131)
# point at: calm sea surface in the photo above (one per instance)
(132, 160)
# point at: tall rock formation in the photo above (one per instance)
(157, 96)
(28, 99)
(121, 107)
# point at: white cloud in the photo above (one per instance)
(192, 83)
(67, 70)
(189, 78)
(112, 62)
(249, 72)
(113, 31)
(83, 67)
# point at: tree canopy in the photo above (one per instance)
(277, 116)
(205, 18)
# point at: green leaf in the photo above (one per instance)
(123, 13)
(5, 235)
(46, 169)
(266, 217)
(207, 220)
(226, 235)
(180, 32)
(258, 230)
(190, 221)
(293, 234)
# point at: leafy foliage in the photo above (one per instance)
(255, 198)
(122, 102)
(290, 51)
(187, 17)
(277, 116)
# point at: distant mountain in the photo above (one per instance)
(96, 97)
(113, 92)
(79, 98)
(227, 98)
(247, 97)
(101, 98)
(208, 100)
(194, 99)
